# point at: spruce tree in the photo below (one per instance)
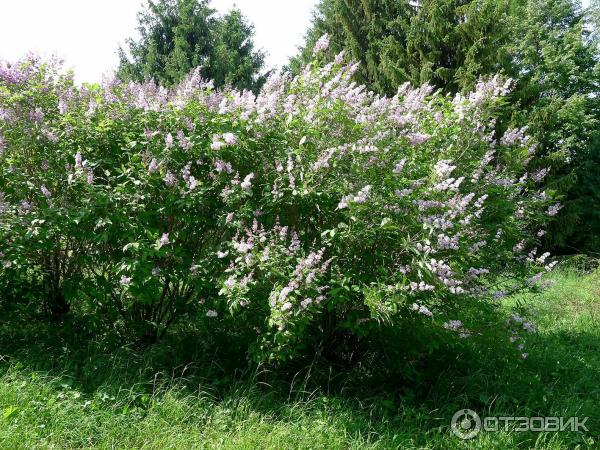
(179, 35)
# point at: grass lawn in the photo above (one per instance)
(67, 387)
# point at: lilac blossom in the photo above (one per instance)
(78, 161)
(164, 239)
(170, 179)
(553, 210)
(153, 167)
(169, 140)
(45, 191)
(247, 183)
(229, 138)
(322, 44)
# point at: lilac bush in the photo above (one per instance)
(315, 201)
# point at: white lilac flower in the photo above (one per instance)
(362, 195)
(422, 286)
(529, 327)
(222, 166)
(45, 191)
(305, 303)
(217, 143)
(78, 161)
(164, 239)
(90, 177)
(399, 166)
(192, 183)
(153, 167)
(418, 138)
(156, 271)
(553, 210)
(345, 201)
(286, 307)
(230, 138)
(125, 280)
(422, 310)
(247, 183)
(170, 179)
(453, 325)
(222, 255)
(211, 313)
(322, 44)
(230, 282)
(169, 140)
(443, 168)
(540, 175)
(184, 142)
(403, 193)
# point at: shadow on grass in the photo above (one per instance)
(384, 392)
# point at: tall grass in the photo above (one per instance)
(69, 387)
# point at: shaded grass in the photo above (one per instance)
(70, 386)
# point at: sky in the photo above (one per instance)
(87, 33)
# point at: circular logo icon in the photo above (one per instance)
(466, 424)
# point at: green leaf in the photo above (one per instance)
(9, 412)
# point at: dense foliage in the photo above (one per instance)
(177, 36)
(544, 45)
(315, 207)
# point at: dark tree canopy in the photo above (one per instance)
(179, 35)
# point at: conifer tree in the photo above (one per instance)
(179, 35)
